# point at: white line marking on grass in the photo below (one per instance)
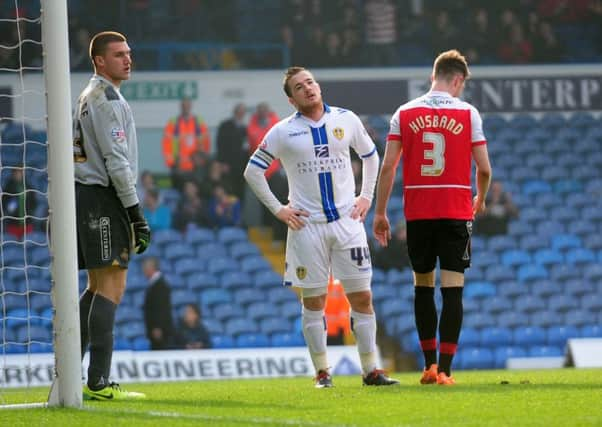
(204, 417)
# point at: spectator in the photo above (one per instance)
(182, 137)
(18, 205)
(224, 208)
(338, 321)
(147, 182)
(395, 254)
(516, 49)
(157, 306)
(381, 33)
(216, 175)
(546, 47)
(191, 208)
(231, 147)
(446, 32)
(480, 47)
(192, 334)
(79, 57)
(157, 214)
(259, 124)
(499, 209)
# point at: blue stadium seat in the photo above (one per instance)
(267, 280)
(592, 272)
(527, 273)
(578, 288)
(290, 309)
(511, 288)
(221, 264)
(502, 354)
(400, 277)
(533, 215)
(583, 120)
(529, 304)
(549, 228)
(592, 213)
(469, 337)
(593, 241)
(584, 174)
(579, 318)
(501, 243)
(533, 242)
(580, 256)
(199, 236)
(558, 335)
(479, 290)
(252, 340)
(563, 214)
(181, 297)
(222, 341)
(494, 123)
(544, 351)
(390, 308)
(519, 228)
(187, 266)
(229, 235)
(246, 296)
(592, 187)
(591, 331)
(201, 281)
(471, 305)
(544, 288)
(569, 135)
(127, 314)
(582, 228)
(555, 173)
(592, 303)
(523, 173)
(515, 257)
(578, 200)
(38, 303)
(271, 325)
(288, 339)
(473, 274)
(524, 122)
(484, 258)
(552, 121)
(476, 358)
(236, 280)
(177, 250)
(260, 310)
(240, 250)
(563, 272)
(535, 186)
(538, 160)
(211, 250)
(211, 297)
(530, 335)
(240, 325)
(478, 243)
(545, 318)
(37, 333)
(214, 326)
(165, 237)
(498, 273)
(254, 264)
(281, 294)
(526, 147)
(548, 257)
(133, 330)
(496, 337)
(140, 344)
(478, 320)
(567, 186)
(225, 312)
(498, 304)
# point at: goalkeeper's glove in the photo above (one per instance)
(141, 233)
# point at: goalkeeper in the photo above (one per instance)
(110, 224)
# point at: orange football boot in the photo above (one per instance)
(429, 376)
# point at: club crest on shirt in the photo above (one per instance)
(301, 272)
(338, 133)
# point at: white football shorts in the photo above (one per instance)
(318, 248)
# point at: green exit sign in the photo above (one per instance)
(159, 90)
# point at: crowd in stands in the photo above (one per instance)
(321, 33)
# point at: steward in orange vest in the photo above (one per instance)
(337, 313)
(183, 136)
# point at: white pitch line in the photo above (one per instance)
(202, 417)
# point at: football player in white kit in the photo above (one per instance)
(324, 217)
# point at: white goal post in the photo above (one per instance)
(67, 388)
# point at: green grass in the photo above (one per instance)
(565, 397)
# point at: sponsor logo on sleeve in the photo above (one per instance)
(118, 134)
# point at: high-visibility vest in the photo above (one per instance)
(255, 134)
(183, 137)
(337, 309)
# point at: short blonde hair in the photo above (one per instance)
(288, 75)
(449, 63)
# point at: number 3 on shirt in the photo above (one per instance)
(435, 154)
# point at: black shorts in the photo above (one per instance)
(103, 228)
(446, 239)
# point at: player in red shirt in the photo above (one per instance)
(439, 136)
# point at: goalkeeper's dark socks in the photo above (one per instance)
(449, 326)
(84, 310)
(100, 326)
(425, 313)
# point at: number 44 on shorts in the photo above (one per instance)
(360, 255)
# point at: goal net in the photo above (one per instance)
(39, 326)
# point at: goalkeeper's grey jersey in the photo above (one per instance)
(105, 145)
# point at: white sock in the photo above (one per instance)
(364, 329)
(314, 331)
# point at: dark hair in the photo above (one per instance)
(290, 72)
(449, 63)
(99, 43)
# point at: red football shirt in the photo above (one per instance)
(437, 132)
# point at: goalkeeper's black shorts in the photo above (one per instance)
(103, 228)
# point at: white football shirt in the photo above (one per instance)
(316, 159)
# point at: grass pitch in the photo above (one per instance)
(566, 397)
